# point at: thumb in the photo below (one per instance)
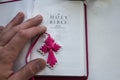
(29, 70)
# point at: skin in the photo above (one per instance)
(13, 38)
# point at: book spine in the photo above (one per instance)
(86, 33)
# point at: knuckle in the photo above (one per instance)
(23, 34)
(16, 29)
(5, 56)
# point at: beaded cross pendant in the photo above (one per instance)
(50, 47)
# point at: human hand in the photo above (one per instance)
(12, 39)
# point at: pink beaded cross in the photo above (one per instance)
(50, 47)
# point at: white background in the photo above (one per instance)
(104, 39)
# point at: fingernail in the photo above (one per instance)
(40, 64)
(44, 28)
(20, 14)
(38, 17)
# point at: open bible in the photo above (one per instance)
(67, 25)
